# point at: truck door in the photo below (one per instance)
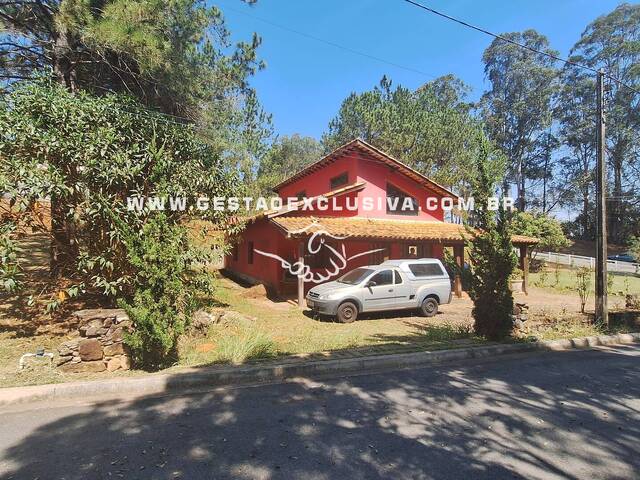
(403, 291)
(379, 293)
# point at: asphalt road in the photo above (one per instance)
(553, 415)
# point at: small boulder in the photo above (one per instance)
(67, 348)
(125, 362)
(114, 364)
(63, 360)
(202, 320)
(115, 334)
(90, 349)
(113, 349)
(84, 367)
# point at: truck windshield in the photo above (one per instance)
(355, 276)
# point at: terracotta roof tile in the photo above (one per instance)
(381, 228)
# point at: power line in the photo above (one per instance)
(513, 42)
(333, 44)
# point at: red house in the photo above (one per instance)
(356, 206)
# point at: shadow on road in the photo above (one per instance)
(558, 415)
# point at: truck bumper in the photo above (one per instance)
(323, 307)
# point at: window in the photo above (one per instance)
(399, 202)
(425, 269)
(422, 250)
(234, 252)
(301, 195)
(250, 253)
(398, 277)
(339, 181)
(385, 277)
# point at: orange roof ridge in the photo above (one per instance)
(359, 143)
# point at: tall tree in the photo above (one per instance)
(287, 155)
(612, 42)
(173, 55)
(518, 107)
(491, 254)
(576, 115)
(431, 129)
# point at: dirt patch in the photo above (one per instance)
(257, 291)
(25, 313)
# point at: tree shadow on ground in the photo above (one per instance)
(514, 417)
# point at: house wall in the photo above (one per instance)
(376, 175)
(269, 238)
(266, 237)
(268, 271)
(319, 182)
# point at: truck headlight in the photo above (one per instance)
(332, 296)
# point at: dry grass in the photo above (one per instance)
(266, 329)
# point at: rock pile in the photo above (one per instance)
(100, 344)
(520, 314)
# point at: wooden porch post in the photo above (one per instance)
(524, 266)
(458, 253)
(300, 277)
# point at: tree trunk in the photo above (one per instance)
(63, 64)
(615, 205)
(521, 193)
(63, 248)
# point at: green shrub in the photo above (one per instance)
(583, 285)
(249, 344)
(446, 332)
(166, 291)
(492, 257)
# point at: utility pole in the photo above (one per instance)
(602, 314)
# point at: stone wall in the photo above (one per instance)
(99, 346)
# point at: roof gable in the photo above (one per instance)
(372, 153)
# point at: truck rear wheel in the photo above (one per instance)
(429, 307)
(347, 312)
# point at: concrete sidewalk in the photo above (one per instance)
(204, 378)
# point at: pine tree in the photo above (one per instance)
(492, 257)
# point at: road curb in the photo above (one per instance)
(210, 377)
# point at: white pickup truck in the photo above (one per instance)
(393, 285)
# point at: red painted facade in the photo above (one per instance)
(374, 178)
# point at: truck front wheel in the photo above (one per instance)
(429, 307)
(347, 312)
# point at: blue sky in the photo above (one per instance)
(306, 80)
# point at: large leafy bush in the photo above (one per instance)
(88, 154)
